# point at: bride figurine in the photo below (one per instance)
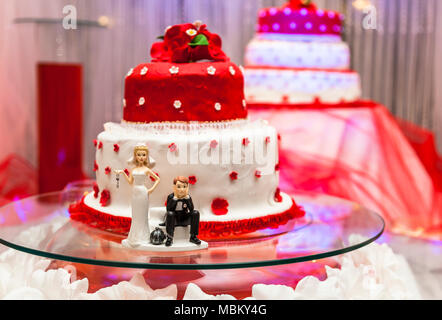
(139, 230)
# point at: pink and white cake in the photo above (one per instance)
(298, 57)
(187, 106)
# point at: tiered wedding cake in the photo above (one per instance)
(187, 106)
(298, 57)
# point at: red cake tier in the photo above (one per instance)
(198, 91)
(298, 18)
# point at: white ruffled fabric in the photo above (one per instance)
(372, 272)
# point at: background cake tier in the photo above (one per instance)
(298, 52)
(200, 91)
(300, 86)
(307, 20)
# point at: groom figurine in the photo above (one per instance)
(180, 211)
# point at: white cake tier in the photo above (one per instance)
(300, 86)
(234, 160)
(296, 52)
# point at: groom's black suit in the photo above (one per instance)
(180, 212)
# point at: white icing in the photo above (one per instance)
(248, 196)
(177, 104)
(298, 54)
(174, 70)
(300, 86)
(144, 71)
(174, 127)
(211, 70)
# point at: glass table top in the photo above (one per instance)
(41, 226)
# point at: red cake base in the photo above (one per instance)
(208, 229)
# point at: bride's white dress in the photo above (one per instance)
(139, 230)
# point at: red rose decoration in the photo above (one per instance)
(126, 172)
(192, 180)
(188, 43)
(234, 175)
(220, 206)
(107, 170)
(95, 166)
(278, 197)
(96, 190)
(95, 143)
(245, 141)
(213, 144)
(100, 145)
(267, 140)
(277, 167)
(173, 147)
(105, 198)
(116, 147)
(258, 174)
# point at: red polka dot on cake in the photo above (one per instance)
(220, 206)
(213, 144)
(192, 180)
(173, 147)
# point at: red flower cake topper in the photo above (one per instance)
(299, 4)
(188, 43)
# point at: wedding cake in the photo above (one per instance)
(188, 107)
(298, 58)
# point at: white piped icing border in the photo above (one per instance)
(178, 126)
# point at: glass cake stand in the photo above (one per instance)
(40, 225)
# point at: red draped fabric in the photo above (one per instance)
(18, 179)
(60, 117)
(423, 143)
(358, 153)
